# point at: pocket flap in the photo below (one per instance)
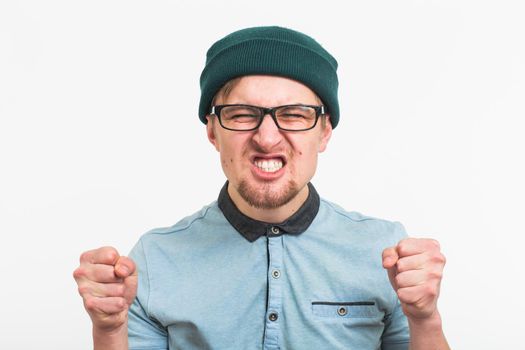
(345, 309)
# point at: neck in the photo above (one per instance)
(273, 216)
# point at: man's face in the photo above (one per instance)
(268, 167)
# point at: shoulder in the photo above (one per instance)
(207, 223)
(198, 218)
(335, 217)
(194, 233)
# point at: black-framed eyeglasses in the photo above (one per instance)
(239, 117)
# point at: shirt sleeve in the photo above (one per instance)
(144, 331)
(396, 335)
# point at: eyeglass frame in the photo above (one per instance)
(319, 111)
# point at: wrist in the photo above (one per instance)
(116, 338)
(427, 333)
(427, 324)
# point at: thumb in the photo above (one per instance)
(390, 258)
(131, 283)
(124, 267)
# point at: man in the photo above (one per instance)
(269, 265)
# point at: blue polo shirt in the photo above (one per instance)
(221, 280)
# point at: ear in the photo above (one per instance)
(326, 133)
(210, 130)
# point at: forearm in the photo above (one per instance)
(427, 334)
(114, 340)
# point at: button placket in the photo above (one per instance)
(274, 307)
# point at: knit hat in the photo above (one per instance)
(270, 51)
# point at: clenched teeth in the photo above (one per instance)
(269, 166)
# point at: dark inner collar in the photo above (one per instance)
(252, 229)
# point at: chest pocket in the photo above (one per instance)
(346, 310)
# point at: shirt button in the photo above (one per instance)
(342, 311)
(276, 274)
(275, 230)
(273, 316)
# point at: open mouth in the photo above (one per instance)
(269, 165)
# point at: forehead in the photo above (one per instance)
(268, 91)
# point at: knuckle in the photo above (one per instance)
(83, 290)
(79, 273)
(430, 290)
(121, 303)
(421, 306)
(435, 243)
(409, 240)
(84, 257)
(90, 304)
(402, 249)
(436, 274)
(405, 240)
(439, 258)
(109, 254)
(401, 294)
(404, 245)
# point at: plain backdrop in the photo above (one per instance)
(100, 141)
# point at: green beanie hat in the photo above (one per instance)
(270, 51)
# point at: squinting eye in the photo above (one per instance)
(236, 112)
(243, 116)
(239, 115)
(292, 115)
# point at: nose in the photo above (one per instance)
(268, 135)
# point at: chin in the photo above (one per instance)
(267, 195)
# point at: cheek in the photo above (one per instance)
(303, 150)
(231, 155)
(309, 156)
(226, 162)
(304, 157)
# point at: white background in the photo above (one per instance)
(100, 142)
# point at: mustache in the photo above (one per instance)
(257, 149)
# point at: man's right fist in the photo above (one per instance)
(108, 284)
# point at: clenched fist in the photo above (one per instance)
(415, 267)
(107, 283)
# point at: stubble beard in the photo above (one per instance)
(266, 196)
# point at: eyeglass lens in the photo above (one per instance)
(288, 117)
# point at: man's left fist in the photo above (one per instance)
(415, 268)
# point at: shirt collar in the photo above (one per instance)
(252, 229)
